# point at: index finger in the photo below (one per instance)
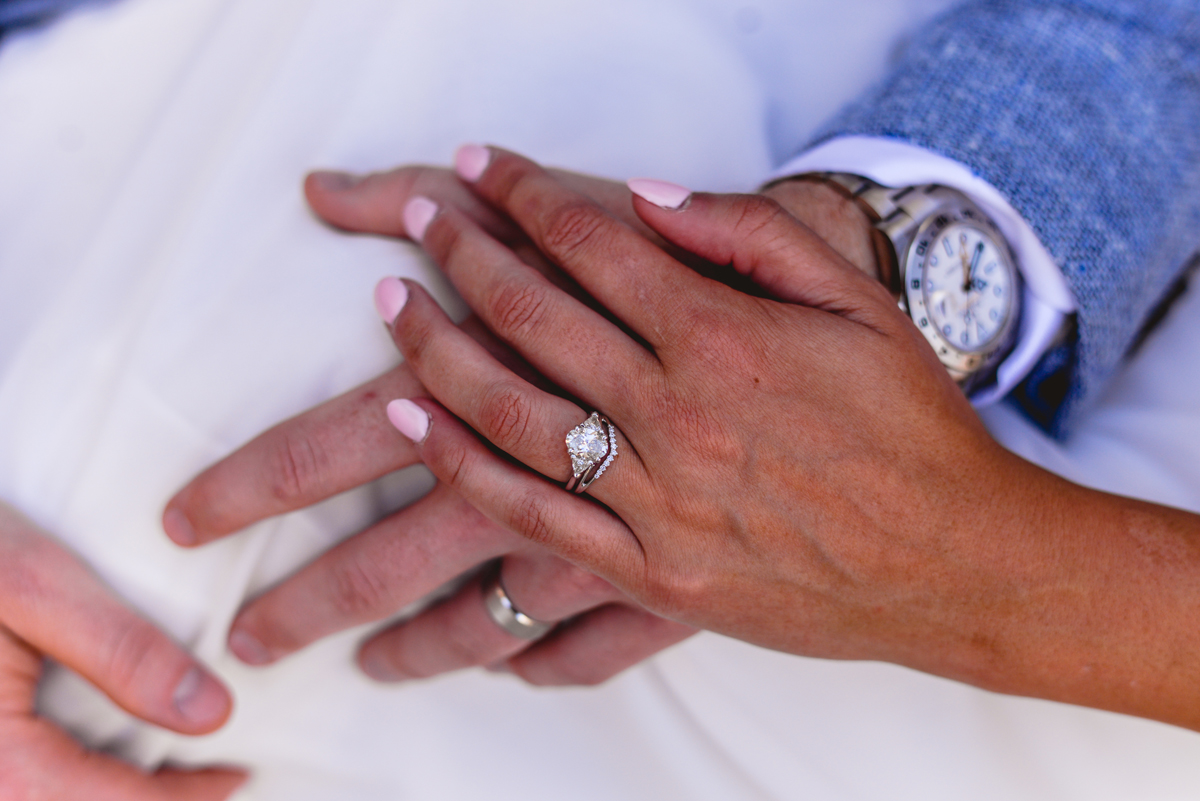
(334, 447)
(649, 291)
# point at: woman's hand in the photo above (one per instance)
(803, 476)
(348, 442)
(51, 606)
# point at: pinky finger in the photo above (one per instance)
(595, 647)
(573, 527)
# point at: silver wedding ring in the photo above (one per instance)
(592, 446)
(501, 610)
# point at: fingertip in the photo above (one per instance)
(202, 700)
(178, 528)
(378, 667)
(331, 181)
(409, 419)
(418, 213)
(249, 649)
(471, 160)
(390, 296)
(663, 194)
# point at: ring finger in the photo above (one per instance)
(461, 632)
(525, 422)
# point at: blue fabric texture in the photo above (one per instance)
(1085, 114)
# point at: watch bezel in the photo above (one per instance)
(956, 209)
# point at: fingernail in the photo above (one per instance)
(179, 528)
(378, 668)
(663, 194)
(409, 419)
(470, 161)
(390, 296)
(335, 181)
(417, 215)
(200, 698)
(247, 648)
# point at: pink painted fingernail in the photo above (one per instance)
(418, 213)
(470, 161)
(179, 528)
(663, 194)
(200, 698)
(335, 180)
(409, 419)
(248, 648)
(390, 296)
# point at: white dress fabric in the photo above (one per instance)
(166, 295)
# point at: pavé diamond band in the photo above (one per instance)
(502, 612)
(592, 446)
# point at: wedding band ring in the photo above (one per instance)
(592, 446)
(501, 610)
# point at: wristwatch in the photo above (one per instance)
(950, 267)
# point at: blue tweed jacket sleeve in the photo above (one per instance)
(1086, 115)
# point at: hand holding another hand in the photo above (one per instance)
(348, 442)
(800, 474)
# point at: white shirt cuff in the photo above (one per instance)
(890, 162)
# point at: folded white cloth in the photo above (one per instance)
(167, 295)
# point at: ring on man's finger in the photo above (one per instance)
(592, 446)
(501, 610)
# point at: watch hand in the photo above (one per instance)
(974, 263)
(966, 266)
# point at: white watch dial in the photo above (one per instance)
(968, 287)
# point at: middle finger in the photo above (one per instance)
(572, 345)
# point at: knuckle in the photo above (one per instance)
(758, 214)
(132, 649)
(360, 590)
(699, 430)
(297, 464)
(464, 645)
(504, 416)
(453, 462)
(516, 308)
(674, 594)
(571, 228)
(531, 516)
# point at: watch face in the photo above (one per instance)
(962, 288)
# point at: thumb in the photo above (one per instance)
(761, 240)
(50, 601)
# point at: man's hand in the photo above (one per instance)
(51, 606)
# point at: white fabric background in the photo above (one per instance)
(166, 295)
